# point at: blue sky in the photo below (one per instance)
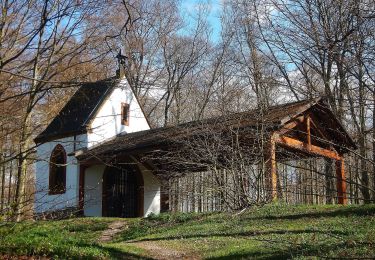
(215, 6)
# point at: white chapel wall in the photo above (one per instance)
(107, 122)
(44, 201)
(151, 192)
(93, 191)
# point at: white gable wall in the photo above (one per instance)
(107, 121)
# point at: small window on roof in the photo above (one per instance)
(125, 111)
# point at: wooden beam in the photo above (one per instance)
(309, 119)
(323, 133)
(304, 147)
(341, 182)
(271, 169)
(313, 149)
(292, 124)
(308, 132)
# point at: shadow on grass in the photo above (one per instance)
(308, 251)
(114, 253)
(120, 254)
(272, 249)
(337, 212)
(82, 250)
(246, 234)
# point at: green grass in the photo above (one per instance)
(270, 232)
(72, 238)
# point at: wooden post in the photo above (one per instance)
(271, 170)
(308, 132)
(340, 182)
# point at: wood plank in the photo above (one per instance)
(341, 182)
(312, 149)
(308, 132)
(309, 121)
(271, 169)
(292, 124)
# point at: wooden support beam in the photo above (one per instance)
(304, 147)
(308, 132)
(313, 149)
(309, 119)
(271, 170)
(341, 182)
(292, 124)
(321, 131)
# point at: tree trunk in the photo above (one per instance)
(2, 164)
(362, 144)
(22, 168)
(373, 145)
(10, 182)
(364, 172)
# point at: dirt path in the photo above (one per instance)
(113, 229)
(156, 251)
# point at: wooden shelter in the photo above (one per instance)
(306, 129)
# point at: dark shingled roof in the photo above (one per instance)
(275, 117)
(77, 112)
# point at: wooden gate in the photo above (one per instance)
(122, 192)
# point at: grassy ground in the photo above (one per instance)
(274, 231)
(72, 238)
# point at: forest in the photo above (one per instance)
(267, 52)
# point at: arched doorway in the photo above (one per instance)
(122, 191)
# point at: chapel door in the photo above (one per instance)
(120, 192)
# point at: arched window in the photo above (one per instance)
(57, 171)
